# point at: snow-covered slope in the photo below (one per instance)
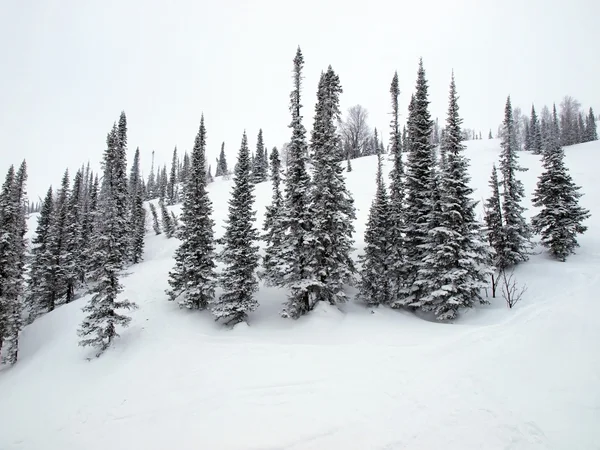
(527, 378)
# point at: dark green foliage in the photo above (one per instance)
(273, 224)
(260, 168)
(137, 214)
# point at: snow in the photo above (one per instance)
(347, 378)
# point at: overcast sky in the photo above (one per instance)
(69, 67)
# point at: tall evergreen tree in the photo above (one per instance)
(297, 240)
(375, 282)
(580, 128)
(74, 264)
(120, 190)
(137, 214)
(419, 188)
(13, 226)
(494, 222)
(240, 252)
(397, 195)
(152, 182)
(185, 168)
(99, 327)
(39, 276)
(332, 207)
(273, 224)
(172, 194)
(222, 162)
(560, 218)
(155, 223)
(591, 133)
(535, 133)
(516, 231)
(192, 280)
(167, 223)
(454, 266)
(260, 169)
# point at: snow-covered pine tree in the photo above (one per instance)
(260, 170)
(490, 136)
(90, 221)
(155, 223)
(58, 245)
(137, 213)
(419, 189)
(591, 133)
(535, 133)
(163, 182)
(375, 281)
(172, 194)
(527, 144)
(332, 207)
(222, 164)
(41, 260)
(192, 279)
(454, 265)
(151, 185)
(580, 128)
(73, 263)
(396, 201)
(494, 222)
(560, 218)
(120, 190)
(240, 252)
(273, 225)
(98, 328)
(167, 224)
(297, 241)
(185, 168)
(13, 226)
(516, 231)
(209, 177)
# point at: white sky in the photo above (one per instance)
(69, 67)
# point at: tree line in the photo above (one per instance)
(424, 249)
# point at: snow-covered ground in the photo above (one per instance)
(526, 378)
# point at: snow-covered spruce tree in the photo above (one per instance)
(172, 194)
(137, 212)
(192, 280)
(332, 207)
(155, 223)
(516, 231)
(240, 252)
(73, 263)
(151, 185)
(527, 144)
(396, 204)
(57, 287)
(560, 218)
(296, 247)
(174, 223)
(591, 133)
(454, 265)
(419, 185)
(41, 260)
(120, 191)
(99, 327)
(222, 162)
(167, 224)
(535, 133)
(260, 170)
(494, 222)
(185, 168)
(273, 225)
(375, 281)
(13, 226)
(209, 177)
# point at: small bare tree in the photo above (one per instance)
(355, 133)
(511, 291)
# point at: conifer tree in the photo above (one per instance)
(494, 222)
(419, 188)
(120, 191)
(375, 281)
(560, 218)
(260, 169)
(152, 182)
(192, 280)
(527, 141)
(580, 128)
(90, 225)
(591, 133)
(222, 162)
(155, 223)
(167, 224)
(454, 265)
(172, 194)
(297, 240)
(185, 168)
(516, 231)
(240, 252)
(137, 214)
(535, 133)
(74, 267)
(273, 224)
(99, 327)
(209, 177)
(396, 201)
(39, 277)
(332, 207)
(490, 136)
(13, 226)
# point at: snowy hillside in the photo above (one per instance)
(348, 378)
